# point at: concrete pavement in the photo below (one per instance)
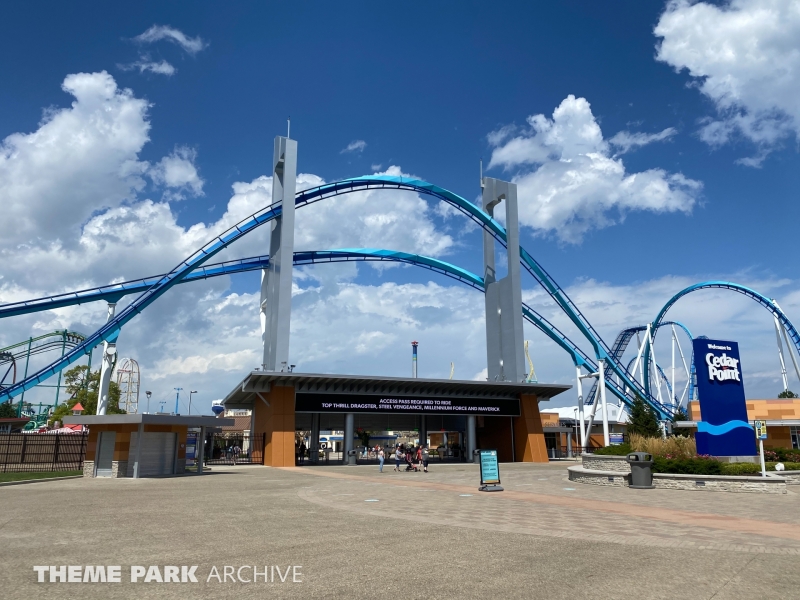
(356, 533)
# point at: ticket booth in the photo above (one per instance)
(139, 445)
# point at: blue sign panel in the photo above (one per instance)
(724, 430)
(490, 470)
(191, 445)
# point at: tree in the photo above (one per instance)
(680, 415)
(84, 387)
(787, 394)
(364, 436)
(643, 420)
(7, 411)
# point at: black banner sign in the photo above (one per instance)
(369, 403)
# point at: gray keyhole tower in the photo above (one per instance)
(276, 280)
(504, 332)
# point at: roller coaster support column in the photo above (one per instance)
(504, 333)
(109, 351)
(780, 351)
(579, 387)
(63, 348)
(601, 370)
(276, 280)
(27, 362)
(788, 345)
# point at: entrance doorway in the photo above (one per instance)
(446, 435)
(105, 453)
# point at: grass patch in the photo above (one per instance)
(673, 447)
(4, 477)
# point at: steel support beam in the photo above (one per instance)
(109, 352)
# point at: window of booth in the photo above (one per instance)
(795, 433)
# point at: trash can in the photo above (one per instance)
(641, 470)
(352, 456)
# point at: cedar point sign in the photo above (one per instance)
(724, 430)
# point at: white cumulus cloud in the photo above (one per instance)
(192, 45)
(354, 146)
(144, 64)
(625, 141)
(178, 170)
(81, 159)
(568, 180)
(744, 55)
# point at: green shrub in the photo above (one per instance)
(618, 450)
(788, 466)
(741, 469)
(687, 466)
(783, 455)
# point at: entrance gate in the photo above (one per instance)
(220, 448)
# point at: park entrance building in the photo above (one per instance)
(500, 414)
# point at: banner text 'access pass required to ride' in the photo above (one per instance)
(372, 403)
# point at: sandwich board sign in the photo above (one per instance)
(490, 471)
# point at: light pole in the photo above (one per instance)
(148, 394)
(177, 399)
(190, 400)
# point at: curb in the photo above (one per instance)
(6, 483)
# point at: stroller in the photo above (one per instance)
(411, 461)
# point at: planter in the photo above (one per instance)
(699, 483)
(600, 462)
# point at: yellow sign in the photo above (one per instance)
(761, 429)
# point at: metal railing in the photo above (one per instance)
(221, 451)
(42, 452)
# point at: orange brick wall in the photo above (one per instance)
(528, 436)
(765, 410)
(782, 408)
(550, 419)
(277, 421)
(772, 410)
(528, 433)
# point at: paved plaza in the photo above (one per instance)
(357, 533)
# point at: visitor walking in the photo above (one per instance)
(398, 456)
(302, 451)
(235, 451)
(425, 456)
(380, 460)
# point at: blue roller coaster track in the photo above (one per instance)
(621, 344)
(111, 329)
(725, 285)
(115, 292)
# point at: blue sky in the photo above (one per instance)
(424, 88)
